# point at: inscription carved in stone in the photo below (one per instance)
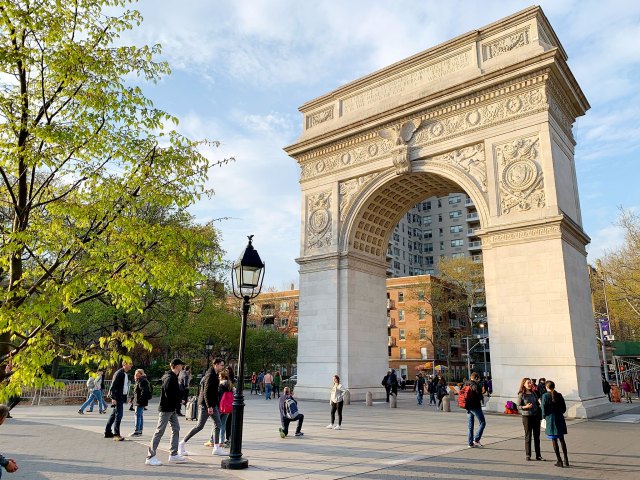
(521, 182)
(316, 118)
(319, 232)
(505, 44)
(470, 160)
(407, 81)
(347, 191)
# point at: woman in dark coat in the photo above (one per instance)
(553, 408)
(141, 397)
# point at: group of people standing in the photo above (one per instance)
(264, 383)
(627, 387)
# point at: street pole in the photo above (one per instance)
(468, 359)
(604, 351)
(235, 461)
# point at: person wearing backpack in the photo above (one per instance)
(94, 385)
(441, 392)
(141, 397)
(289, 412)
(470, 398)
(385, 383)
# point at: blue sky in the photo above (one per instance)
(242, 69)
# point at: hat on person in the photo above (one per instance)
(176, 361)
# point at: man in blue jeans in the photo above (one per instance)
(474, 410)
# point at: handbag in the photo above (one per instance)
(543, 423)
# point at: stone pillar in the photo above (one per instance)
(541, 323)
(342, 326)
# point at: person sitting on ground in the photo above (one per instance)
(9, 464)
(287, 404)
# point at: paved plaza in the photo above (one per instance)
(55, 443)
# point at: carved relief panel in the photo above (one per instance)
(471, 160)
(520, 175)
(349, 189)
(319, 232)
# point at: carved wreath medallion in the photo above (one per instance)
(319, 220)
(521, 182)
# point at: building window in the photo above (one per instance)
(284, 306)
(439, 203)
(284, 322)
(426, 220)
(396, 265)
(441, 245)
(421, 295)
(457, 243)
(401, 296)
(296, 305)
(253, 309)
(426, 205)
(423, 334)
(455, 214)
(428, 247)
(401, 334)
(423, 353)
(456, 229)
(396, 237)
(457, 255)
(439, 217)
(428, 234)
(401, 315)
(396, 251)
(454, 200)
(295, 321)
(422, 313)
(428, 260)
(403, 353)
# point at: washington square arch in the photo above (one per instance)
(489, 113)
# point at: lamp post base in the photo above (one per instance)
(234, 464)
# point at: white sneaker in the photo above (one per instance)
(153, 461)
(217, 450)
(182, 450)
(330, 425)
(337, 427)
(177, 459)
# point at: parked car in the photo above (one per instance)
(290, 382)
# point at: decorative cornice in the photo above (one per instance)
(506, 43)
(450, 119)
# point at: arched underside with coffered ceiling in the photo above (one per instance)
(489, 113)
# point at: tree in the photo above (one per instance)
(452, 299)
(82, 153)
(618, 274)
(266, 348)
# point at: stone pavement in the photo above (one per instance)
(55, 443)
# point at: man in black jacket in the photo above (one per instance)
(208, 405)
(170, 400)
(118, 392)
(474, 410)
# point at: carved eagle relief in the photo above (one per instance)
(400, 136)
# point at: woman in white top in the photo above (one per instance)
(336, 401)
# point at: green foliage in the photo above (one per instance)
(266, 348)
(85, 160)
(618, 273)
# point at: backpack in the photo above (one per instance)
(226, 402)
(290, 408)
(91, 382)
(442, 392)
(464, 397)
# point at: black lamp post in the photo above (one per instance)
(208, 345)
(246, 280)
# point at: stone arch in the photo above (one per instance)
(382, 203)
(490, 113)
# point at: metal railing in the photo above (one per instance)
(74, 389)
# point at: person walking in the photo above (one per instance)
(184, 379)
(277, 380)
(420, 388)
(9, 464)
(637, 386)
(208, 406)
(386, 384)
(474, 410)
(606, 388)
(268, 380)
(288, 408)
(232, 379)
(118, 393)
(531, 416)
(441, 392)
(336, 400)
(627, 388)
(225, 407)
(432, 387)
(254, 383)
(170, 400)
(141, 397)
(553, 408)
(94, 384)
